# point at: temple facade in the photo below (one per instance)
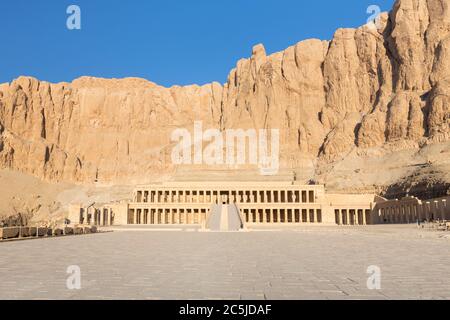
(192, 203)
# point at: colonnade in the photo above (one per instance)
(166, 216)
(277, 215)
(413, 211)
(352, 216)
(225, 196)
(96, 216)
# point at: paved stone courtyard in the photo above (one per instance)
(304, 263)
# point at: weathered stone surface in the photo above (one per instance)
(41, 231)
(9, 233)
(58, 232)
(68, 230)
(384, 88)
(78, 230)
(257, 265)
(25, 232)
(33, 231)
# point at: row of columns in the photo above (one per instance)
(352, 216)
(228, 196)
(166, 216)
(411, 213)
(97, 217)
(282, 215)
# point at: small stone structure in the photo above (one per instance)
(10, 232)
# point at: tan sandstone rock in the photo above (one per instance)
(366, 89)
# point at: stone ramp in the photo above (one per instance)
(214, 220)
(234, 219)
(224, 218)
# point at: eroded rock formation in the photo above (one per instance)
(367, 88)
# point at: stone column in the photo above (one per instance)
(392, 215)
(107, 219)
(438, 211)
(405, 214)
(100, 218)
(170, 216)
(428, 211)
(444, 210)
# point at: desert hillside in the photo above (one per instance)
(368, 110)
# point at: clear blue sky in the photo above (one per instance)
(168, 42)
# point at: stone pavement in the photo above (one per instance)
(303, 263)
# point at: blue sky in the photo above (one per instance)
(168, 42)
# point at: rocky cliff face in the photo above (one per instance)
(369, 92)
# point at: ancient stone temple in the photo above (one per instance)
(202, 203)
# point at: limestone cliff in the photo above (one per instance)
(367, 93)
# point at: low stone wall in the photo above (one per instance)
(9, 233)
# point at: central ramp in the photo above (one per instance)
(224, 218)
